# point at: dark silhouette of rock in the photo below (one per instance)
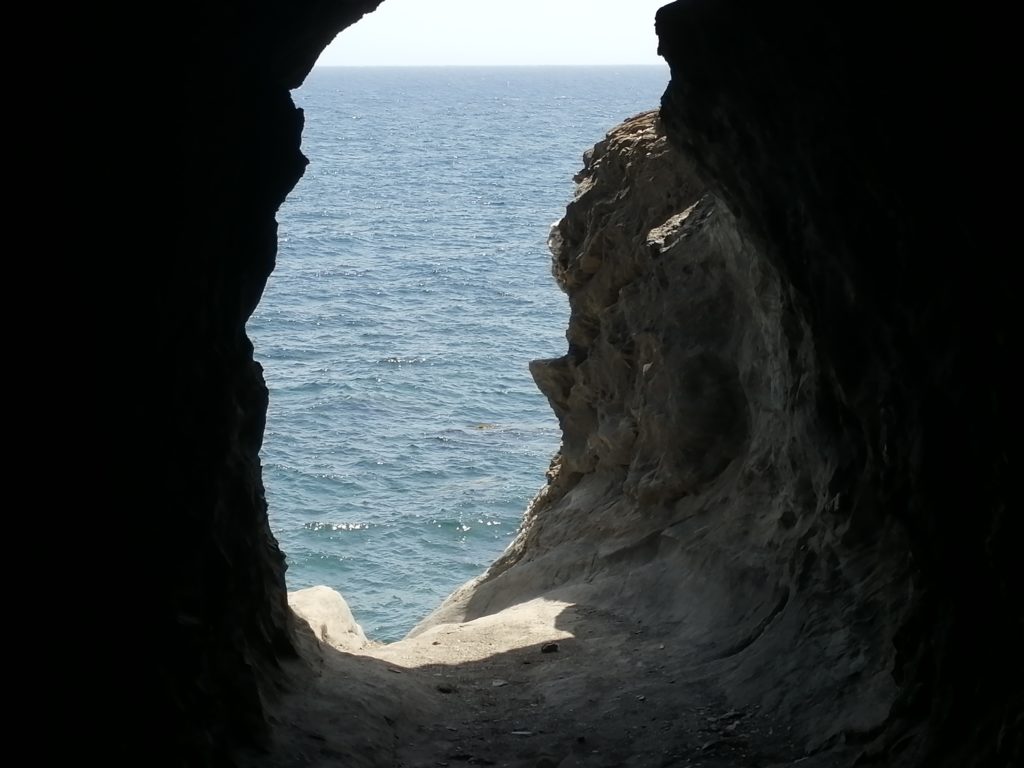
(839, 138)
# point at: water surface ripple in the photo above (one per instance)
(405, 436)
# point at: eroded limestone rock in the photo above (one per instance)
(696, 468)
(329, 616)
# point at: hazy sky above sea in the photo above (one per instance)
(500, 32)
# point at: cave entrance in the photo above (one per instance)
(405, 436)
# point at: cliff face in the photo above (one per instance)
(698, 486)
(785, 401)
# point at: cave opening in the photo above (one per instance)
(405, 436)
(858, 577)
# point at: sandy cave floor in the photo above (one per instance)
(541, 684)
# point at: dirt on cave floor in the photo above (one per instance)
(541, 684)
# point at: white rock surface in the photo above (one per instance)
(329, 616)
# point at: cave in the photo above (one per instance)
(823, 536)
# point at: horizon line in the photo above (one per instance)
(452, 66)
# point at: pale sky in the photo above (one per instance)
(500, 32)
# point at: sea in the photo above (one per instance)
(405, 437)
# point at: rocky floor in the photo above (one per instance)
(540, 685)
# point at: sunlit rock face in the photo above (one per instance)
(698, 487)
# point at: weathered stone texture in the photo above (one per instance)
(696, 487)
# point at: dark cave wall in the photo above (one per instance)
(852, 146)
(225, 151)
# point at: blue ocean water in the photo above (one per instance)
(405, 437)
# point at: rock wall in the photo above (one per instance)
(699, 486)
(853, 148)
(211, 140)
